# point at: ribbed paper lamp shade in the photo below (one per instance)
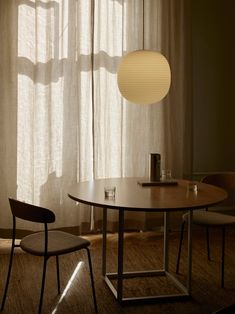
(144, 77)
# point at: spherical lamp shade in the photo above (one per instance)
(144, 77)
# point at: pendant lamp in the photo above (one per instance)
(144, 77)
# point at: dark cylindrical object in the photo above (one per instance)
(154, 166)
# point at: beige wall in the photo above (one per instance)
(214, 85)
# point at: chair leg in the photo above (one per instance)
(58, 273)
(180, 246)
(208, 244)
(92, 279)
(8, 276)
(43, 284)
(222, 257)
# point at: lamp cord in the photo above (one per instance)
(143, 24)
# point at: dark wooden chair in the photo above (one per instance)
(211, 218)
(46, 244)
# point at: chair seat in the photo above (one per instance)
(209, 218)
(59, 242)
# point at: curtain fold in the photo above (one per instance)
(177, 45)
(8, 107)
(63, 119)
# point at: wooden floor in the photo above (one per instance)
(142, 251)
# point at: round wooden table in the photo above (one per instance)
(132, 196)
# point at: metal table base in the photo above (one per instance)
(120, 275)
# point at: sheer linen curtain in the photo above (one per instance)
(63, 119)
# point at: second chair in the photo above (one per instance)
(208, 218)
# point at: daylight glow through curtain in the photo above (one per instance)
(63, 119)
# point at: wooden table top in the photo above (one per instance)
(132, 196)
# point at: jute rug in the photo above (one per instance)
(142, 251)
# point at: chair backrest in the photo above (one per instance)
(31, 212)
(225, 180)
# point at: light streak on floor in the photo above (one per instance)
(67, 286)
